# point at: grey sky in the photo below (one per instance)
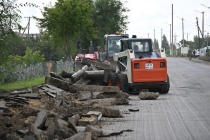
(147, 15)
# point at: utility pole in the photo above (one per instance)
(187, 35)
(148, 35)
(199, 31)
(202, 27)
(172, 23)
(182, 30)
(170, 41)
(161, 37)
(28, 25)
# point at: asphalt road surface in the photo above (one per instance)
(182, 114)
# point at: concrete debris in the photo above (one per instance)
(99, 132)
(133, 110)
(56, 109)
(81, 136)
(145, 95)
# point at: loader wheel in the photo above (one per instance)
(122, 82)
(165, 90)
(112, 79)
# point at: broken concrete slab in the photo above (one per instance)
(92, 67)
(95, 130)
(74, 119)
(58, 90)
(98, 65)
(95, 102)
(82, 81)
(65, 129)
(93, 75)
(81, 136)
(30, 95)
(119, 94)
(65, 74)
(95, 113)
(99, 132)
(77, 75)
(88, 120)
(95, 88)
(38, 124)
(57, 83)
(53, 74)
(146, 95)
(101, 102)
(20, 92)
(84, 95)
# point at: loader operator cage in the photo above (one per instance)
(141, 45)
(110, 41)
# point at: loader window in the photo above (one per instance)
(140, 46)
(125, 45)
(113, 44)
(122, 63)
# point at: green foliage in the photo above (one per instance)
(9, 18)
(67, 20)
(109, 17)
(32, 57)
(164, 43)
(84, 20)
(8, 69)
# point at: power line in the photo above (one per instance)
(182, 30)
(205, 6)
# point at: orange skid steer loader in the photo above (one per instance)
(139, 67)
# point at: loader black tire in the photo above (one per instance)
(112, 79)
(165, 90)
(122, 82)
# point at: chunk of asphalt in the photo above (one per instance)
(145, 95)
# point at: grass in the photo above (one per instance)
(21, 84)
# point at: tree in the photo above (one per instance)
(67, 21)
(164, 43)
(109, 17)
(9, 18)
(48, 48)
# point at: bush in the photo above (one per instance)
(9, 68)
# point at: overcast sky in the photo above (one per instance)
(145, 16)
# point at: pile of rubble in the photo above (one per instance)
(67, 106)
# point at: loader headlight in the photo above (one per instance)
(162, 64)
(136, 66)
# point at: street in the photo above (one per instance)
(182, 114)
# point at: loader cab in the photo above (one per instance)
(113, 44)
(142, 47)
